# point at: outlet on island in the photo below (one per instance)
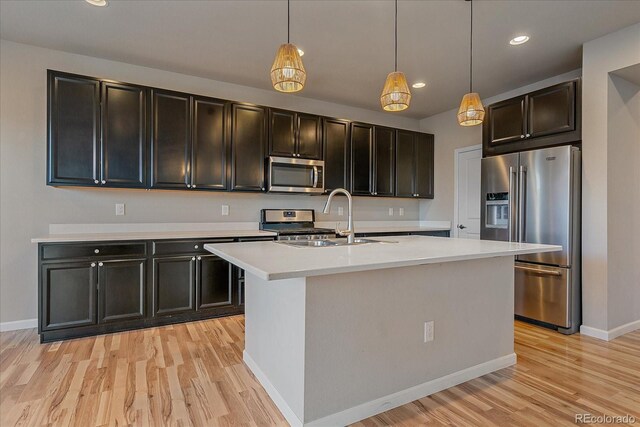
(225, 210)
(428, 331)
(119, 209)
(390, 211)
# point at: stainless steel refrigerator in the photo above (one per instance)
(534, 197)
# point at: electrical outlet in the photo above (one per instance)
(340, 211)
(225, 210)
(428, 331)
(390, 211)
(119, 209)
(401, 211)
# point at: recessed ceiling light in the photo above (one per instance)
(519, 40)
(418, 85)
(300, 52)
(100, 3)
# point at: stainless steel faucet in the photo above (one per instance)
(349, 232)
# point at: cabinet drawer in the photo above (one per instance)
(173, 247)
(98, 249)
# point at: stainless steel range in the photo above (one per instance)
(293, 224)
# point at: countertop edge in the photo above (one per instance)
(151, 235)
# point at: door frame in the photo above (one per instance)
(456, 154)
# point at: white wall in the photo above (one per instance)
(449, 136)
(28, 206)
(608, 232)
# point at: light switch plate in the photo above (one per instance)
(225, 210)
(119, 209)
(401, 211)
(390, 211)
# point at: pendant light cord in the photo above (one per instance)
(288, 21)
(396, 38)
(471, 51)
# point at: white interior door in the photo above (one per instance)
(467, 214)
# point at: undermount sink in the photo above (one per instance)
(329, 243)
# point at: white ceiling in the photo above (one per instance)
(348, 44)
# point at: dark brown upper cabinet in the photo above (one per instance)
(335, 144)
(209, 144)
(384, 160)
(189, 149)
(248, 147)
(171, 140)
(294, 134)
(362, 159)
(74, 130)
(414, 165)
(547, 117)
(124, 135)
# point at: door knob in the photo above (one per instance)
(461, 227)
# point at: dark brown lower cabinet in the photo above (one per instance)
(68, 295)
(121, 290)
(173, 285)
(214, 282)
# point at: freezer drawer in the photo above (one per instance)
(543, 293)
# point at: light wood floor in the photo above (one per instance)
(192, 374)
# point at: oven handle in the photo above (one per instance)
(536, 270)
(315, 177)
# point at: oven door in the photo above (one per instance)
(296, 175)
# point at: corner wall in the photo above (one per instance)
(606, 236)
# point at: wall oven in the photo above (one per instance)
(290, 175)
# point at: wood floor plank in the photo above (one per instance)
(193, 375)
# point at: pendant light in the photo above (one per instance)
(287, 72)
(471, 111)
(395, 93)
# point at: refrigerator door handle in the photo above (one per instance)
(512, 204)
(521, 202)
(539, 271)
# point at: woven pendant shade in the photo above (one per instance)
(471, 111)
(287, 72)
(395, 94)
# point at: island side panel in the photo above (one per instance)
(365, 334)
(274, 340)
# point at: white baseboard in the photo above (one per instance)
(286, 411)
(610, 334)
(385, 403)
(18, 324)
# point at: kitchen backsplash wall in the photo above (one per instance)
(28, 206)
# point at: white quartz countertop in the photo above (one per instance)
(398, 229)
(149, 235)
(274, 261)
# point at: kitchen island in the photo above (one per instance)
(338, 334)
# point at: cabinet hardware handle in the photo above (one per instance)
(195, 247)
(193, 186)
(188, 185)
(528, 135)
(262, 189)
(100, 264)
(95, 181)
(104, 181)
(93, 264)
(97, 251)
(199, 258)
(193, 258)
(521, 136)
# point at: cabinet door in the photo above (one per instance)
(73, 132)
(384, 171)
(124, 135)
(361, 159)
(248, 138)
(336, 153)
(121, 290)
(506, 121)
(213, 282)
(171, 149)
(282, 135)
(173, 285)
(405, 163)
(209, 154)
(68, 295)
(309, 141)
(551, 110)
(424, 166)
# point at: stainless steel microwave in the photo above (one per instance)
(292, 175)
